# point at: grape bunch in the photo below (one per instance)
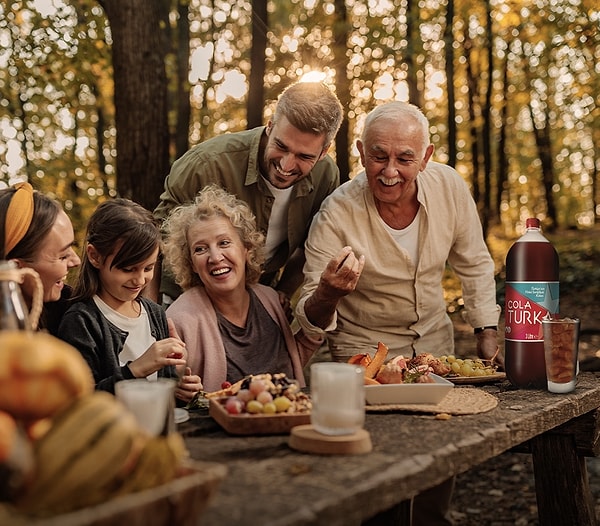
(268, 394)
(468, 366)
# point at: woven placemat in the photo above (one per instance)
(459, 401)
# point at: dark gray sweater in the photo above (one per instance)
(100, 342)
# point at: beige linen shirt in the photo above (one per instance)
(395, 301)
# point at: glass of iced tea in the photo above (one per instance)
(561, 343)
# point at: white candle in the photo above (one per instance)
(338, 398)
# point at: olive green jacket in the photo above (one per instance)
(231, 161)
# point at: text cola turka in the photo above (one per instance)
(532, 291)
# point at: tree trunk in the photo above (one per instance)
(204, 113)
(340, 35)
(486, 210)
(182, 126)
(503, 166)
(472, 92)
(256, 92)
(595, 198)
(449, 53)
(140, 98)
(413, 38)
(542, 141)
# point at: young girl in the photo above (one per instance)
(121, 334)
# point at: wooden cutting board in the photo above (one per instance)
(249, 424)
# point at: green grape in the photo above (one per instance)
(254, 406)
(467, 369)
(269, 408)
(282, 403)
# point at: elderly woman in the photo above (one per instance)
(231, 325)
(37, 233)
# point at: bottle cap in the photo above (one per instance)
(532, 222)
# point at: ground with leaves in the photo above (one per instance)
(502, 492)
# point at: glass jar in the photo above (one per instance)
(14, 314)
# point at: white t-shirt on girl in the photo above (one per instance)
(139, 337)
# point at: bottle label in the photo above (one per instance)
(526, 304)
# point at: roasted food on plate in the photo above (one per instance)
(400, 369)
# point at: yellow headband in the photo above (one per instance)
(18, 216)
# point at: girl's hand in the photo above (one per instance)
(181, 369)
(188, 386)
(170, 351)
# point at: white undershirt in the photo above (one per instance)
(277, 230)
(139, 337)
(408, 238)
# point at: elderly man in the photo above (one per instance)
(376, 254)
(377, 250)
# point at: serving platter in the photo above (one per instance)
(431, 393)
(483, 379)
(255, 424)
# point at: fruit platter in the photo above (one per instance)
(264, 404)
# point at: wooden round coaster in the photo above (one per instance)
(305, 438)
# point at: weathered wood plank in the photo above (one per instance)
(271, 484)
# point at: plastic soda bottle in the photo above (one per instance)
(532, 292)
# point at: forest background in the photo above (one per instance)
(98, 98)
(511, 88)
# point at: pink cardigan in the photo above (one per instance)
(196, 321)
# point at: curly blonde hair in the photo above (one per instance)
(212, 201)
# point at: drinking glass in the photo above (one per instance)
(561, 343)
(338, 398)
(151, 402)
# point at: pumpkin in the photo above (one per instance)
(16, 458)
(40, 375)
(8, 432)
(84, 457)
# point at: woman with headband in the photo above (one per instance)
(38, 234)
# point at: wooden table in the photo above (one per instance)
(270, 484)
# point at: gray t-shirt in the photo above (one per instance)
(257, 348)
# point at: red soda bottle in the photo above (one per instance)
(532, 291)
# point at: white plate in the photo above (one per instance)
(432, 393)
(181, 415)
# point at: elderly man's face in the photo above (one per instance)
(290, 154)
(393, 154)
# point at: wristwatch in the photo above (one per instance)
(477, 330)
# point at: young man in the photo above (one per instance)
(281, 170)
